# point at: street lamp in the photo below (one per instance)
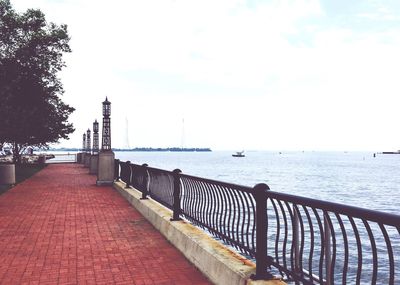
(95, 137)
(106, 138)
(88, 148)
(106, 162)
(84, 143)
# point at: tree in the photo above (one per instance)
(31, 112)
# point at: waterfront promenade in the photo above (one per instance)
(59, 228)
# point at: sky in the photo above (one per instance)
(233, 74)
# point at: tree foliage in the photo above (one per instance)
(32, 114)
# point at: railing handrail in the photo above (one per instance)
(220, 183)
(342, 209)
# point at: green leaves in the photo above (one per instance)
(30, 57)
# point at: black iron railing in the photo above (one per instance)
(305, 240)
(225, 210)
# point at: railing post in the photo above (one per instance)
(177, 196)
(116, 169)
(145, 190)
(128, 170)
(327, 249)
(262, 263)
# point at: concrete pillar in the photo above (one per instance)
(83, 158)
(94, 161)
(78, 157)
(7, 174)
(105, 174)
(41, 159)
(87, 159)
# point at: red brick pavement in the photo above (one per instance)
(59, 228)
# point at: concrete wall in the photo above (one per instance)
(220, 264)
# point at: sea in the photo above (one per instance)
(352, 178)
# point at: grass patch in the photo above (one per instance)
(22, 172)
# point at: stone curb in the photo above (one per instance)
(220, 264)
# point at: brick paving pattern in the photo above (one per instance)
(59, 228)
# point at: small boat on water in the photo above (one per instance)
(239, 154)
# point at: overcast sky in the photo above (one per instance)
(266, 75)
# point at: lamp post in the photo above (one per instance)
(88, 146)
(105, 174)
(88, 149)
(95, 138)
(84, 143)
(106, 139)
(83, 154)
(94, 159)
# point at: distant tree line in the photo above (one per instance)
(163, 149)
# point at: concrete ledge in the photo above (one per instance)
(220, 264)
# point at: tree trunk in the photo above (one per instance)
(16, 154)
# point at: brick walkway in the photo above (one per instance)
(59, 228)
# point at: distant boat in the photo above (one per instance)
(238, 154)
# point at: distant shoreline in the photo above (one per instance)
(172, 149)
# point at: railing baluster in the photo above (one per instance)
(285, 233)
(346, 248)
(311, 254)
(327, 249)
(278, 228)
(374, 252)
(359, 250)
(296, 246)
(390, 253)
(322, 245)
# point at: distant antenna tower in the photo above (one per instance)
(127, 133)
(183, 134)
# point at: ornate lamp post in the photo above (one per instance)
(94, 159)
(84, 143)
(88, 141)
(88, 147)
(83, 153)
(105, 175)
(95, 138)
(106, 140)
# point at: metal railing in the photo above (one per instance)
(62, 158)
(304, 240)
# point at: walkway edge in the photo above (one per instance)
(220, 264)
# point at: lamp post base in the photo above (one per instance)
(82, 161)
(87, 160)
(7, 174)
(105, 174)
(94, 163)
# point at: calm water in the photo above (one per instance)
(353, 178)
